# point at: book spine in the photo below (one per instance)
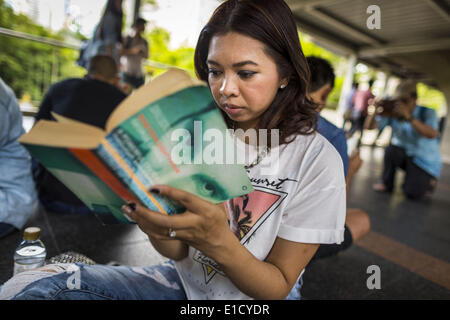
(135, 180)
(93, 163)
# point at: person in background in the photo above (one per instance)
(414, 147)
(107, 36)
(18, 198)
(134, 52)
(349, 106)
(250, 55)
(90, 100)
(357, 222)
(361, 101)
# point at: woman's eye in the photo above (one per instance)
(213, 72)
(246, 74)
(207, 189)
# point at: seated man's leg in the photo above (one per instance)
(394, 157)
(331, 249)
(99, 282)
(417, 181)
(358, 222)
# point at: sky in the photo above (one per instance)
(182, 18)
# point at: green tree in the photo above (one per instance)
(28, 66)
(311, 49)
(182, 57)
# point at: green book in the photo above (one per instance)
(166, 132)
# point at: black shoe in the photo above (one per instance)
(6, 229)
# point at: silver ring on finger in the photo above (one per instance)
(172, 233)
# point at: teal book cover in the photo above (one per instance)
(167, 143)
(168, 132)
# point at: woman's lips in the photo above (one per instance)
(232, 109)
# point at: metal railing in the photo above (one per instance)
(49, 75)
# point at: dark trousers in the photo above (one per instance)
(358, 125)
(330, 249)
(417, 181)
(134, 81)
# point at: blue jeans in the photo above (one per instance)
(99, 282)
(295, 293)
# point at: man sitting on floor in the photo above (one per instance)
(357, 222)
(415, 145)
(90, 100)
(18, 198)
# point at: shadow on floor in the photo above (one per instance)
(423, 226)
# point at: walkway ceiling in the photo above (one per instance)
(413, 39)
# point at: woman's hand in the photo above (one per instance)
(203, 225)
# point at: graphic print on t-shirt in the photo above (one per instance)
(246, 214)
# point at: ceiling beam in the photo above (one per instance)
(430, 45)
(307, 4)
(344, 27)
(440, 7)
(336, 44)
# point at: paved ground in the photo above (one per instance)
(409, 242)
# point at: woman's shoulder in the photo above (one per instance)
(313, 150)
(313, 143)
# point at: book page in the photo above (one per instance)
(66, 135)
(169, 82)
(62, 119)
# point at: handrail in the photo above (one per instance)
(31, 111)
(62, 44)
(27, 36)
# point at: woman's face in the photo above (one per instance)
(243, 78)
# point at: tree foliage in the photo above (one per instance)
(182, 57)
(311, 49)
(30, 67)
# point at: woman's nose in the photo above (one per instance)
(229, 87)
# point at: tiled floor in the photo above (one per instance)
(421, 226)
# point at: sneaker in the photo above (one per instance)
(71, 257)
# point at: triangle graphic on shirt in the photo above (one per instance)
(247, 213)
(208, 272)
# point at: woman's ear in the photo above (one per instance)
(283, 83)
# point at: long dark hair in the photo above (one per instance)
(272, 23)
(111, 7)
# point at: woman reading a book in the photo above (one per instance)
(257, 245)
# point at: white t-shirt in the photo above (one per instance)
(302, 199)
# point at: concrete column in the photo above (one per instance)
(387, 78)
(445, 140)
(346, 86)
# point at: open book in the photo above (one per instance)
(143, 143)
